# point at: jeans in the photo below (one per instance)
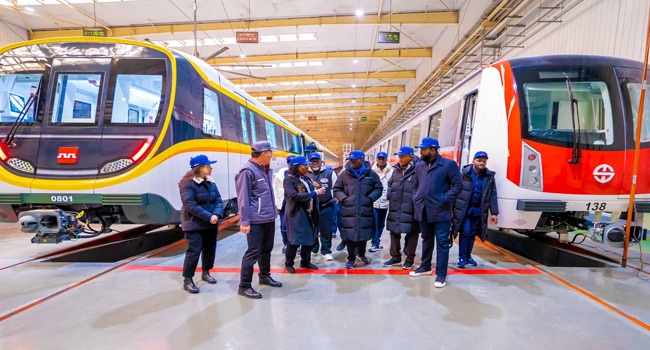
(204, 241)
(467, 236)
(324, 228)
(380, 223)
(260, 245)
(433, 232)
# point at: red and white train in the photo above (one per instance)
(559, 130)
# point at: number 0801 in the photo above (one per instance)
(61, 199)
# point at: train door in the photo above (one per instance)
(467, 125)
(72, 125)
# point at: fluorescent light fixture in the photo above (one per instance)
(242, 55)
(29, 9)
(358, 12)
(355, 61)
(351, 111)
(354, 85)
(351, 118)
(354, 101)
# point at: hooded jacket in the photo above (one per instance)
(356, 195)
(201, 199)
(488, 201)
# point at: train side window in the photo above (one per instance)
(295, 144)
(75, 99)
(634, 93)
(434, 124)
(244, 123)
(211, 117)
(279, 137)
(136, 99)
(415, 135)
(270, 134)
(403, 142)
(261, 127)
(448, 121)
(253, 130)
(285, 139)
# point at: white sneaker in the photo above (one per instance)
(440, 282)
(328, 257)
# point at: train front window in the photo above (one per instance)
(572, 105)
(137, 99)
(634, 95)
(15, 92)
(75, 99)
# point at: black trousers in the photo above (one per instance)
(290, 255)
(410, 244)
(260, 245)
(354, 248)
(204, 241)
(325, 230)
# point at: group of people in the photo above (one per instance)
(427, 194)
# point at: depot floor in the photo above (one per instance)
(504, 303)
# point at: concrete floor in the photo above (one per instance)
(139, 304)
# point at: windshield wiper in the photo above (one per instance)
(576, 151)
(33, 99)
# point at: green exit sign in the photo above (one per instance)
(100, 32)
(388, 37)
(363, 119)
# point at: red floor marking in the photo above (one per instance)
(342, 271)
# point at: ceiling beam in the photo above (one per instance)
(387, 88)
(403, 74)
(397, 19)
(358, 101)
(330, 109)
(388, 53)
(290, 116)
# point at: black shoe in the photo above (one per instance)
(290, 269)
(364, 260)
(341, 246)
(393, 262)
(249, 293)
(309, 266)
(206, 277)
(270, 282)
(190, 287)
(407, 266)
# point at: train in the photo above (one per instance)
(106, 126)
(560, 134)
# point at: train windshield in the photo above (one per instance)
(16, 92)
(574, 105)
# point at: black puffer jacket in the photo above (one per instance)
(488, 201)
(201, 200)
(401, 189)
(301, 211)
(356, 196)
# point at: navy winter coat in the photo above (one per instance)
(255, 194)
(300, 220)
(201, 199)
(401, 189)
(488, 201)
(356, 196)
(438, 186)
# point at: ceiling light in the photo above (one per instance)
(351, 111)
(350, 128)
(354, 101)
(29, 9)
(351, 118)
(302, 117)
(242, 55)
(358, 12)
(354, 85)
(355, 61)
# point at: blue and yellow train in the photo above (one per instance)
(110, 124)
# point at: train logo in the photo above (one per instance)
(67, 155)
(604, 173)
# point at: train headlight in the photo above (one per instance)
(531, 169)
(21, 165)
(114, 166)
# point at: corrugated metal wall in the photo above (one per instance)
(10, 34)
(596, 27)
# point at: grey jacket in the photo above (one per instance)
(255, 194)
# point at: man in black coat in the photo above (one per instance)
(401, 188)
(439, 184)
(356, 189)
(479, 195)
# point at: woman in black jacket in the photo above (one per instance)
(200, 214)
(301, 210)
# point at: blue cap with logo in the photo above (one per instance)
(405, 151)
(481, 154)
(382, 155)
(428, 142)
(261, 146)
(289, 158)
(201, 159)
(356, 154)
(314, 156)
(299, 160)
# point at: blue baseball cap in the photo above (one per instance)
(201, 159)
(289, 158)
(356, 154)
(382, 155)
(404, 151)
(481, 154)
(314, 156)
(261, 146)
(299, 160)
(428, 142)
